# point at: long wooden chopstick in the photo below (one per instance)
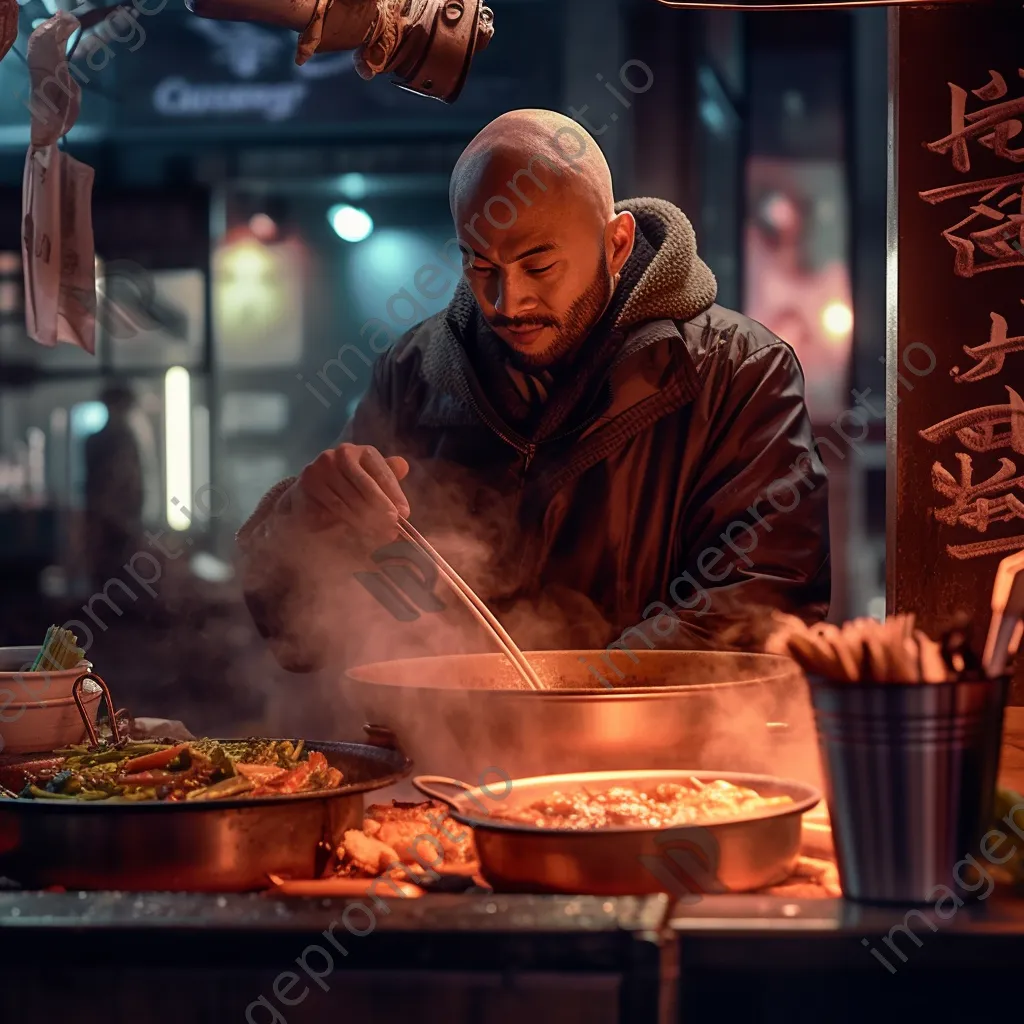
(479, 610)
(1007, 612)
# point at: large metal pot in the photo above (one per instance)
(459, 715)
(215, 846)
(688, 861)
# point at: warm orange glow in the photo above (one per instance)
(263, 227)
(837, 319)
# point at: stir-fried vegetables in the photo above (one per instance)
(279, 753)
(198, 770)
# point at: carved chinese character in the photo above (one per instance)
(993, 126)
(979, 430)
(983, 548)
(978, 505)
(992, 354)
(994, 227)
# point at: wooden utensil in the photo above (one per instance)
(344, 887)
(1007, 614)
(477, 608)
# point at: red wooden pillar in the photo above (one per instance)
(955, 363)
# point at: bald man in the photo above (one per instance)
(583, 430)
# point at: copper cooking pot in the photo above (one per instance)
(229, 845)
(459, 715)
(742, 854)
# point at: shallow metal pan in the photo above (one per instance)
(738, 855)
(196, 846)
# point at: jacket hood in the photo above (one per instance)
(677, 284)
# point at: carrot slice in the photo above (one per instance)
(158, 759)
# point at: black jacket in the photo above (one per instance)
(693, 489)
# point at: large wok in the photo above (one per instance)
(459, 715)
(215, 846)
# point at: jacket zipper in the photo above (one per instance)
(526, 449)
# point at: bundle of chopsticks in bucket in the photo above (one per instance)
(896, 651)
(60, 651)
(862, 650)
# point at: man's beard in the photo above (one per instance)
(571, 329)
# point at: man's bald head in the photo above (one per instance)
(544, 142)
(534, 209)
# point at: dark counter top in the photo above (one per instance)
(757, 958)
(258, 913)
(443, 959)
(491, 958)
(263, 917)
(828, 929)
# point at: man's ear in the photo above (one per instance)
(619, 238)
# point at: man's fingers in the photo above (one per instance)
(338, 502)
(357, 486)
(398, 466)
(378, 468)
(379, 517)
(326, 496)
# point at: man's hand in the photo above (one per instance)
(354, 487)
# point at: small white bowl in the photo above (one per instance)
(42, 726)
(20, 686)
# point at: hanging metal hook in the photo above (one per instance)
(90, 728)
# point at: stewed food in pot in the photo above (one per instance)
(664, 805)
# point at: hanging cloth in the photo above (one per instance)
(57, 236)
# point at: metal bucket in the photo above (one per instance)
(910, 778)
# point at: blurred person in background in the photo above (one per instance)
(582, 431)
(808, 305)
(114, 487)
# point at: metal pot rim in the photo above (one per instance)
(820, 683)
(405, 667)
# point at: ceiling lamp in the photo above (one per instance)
(350, 223)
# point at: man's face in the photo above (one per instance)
(543, 281)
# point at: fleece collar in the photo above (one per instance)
(678, 284)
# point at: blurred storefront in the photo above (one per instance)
(264, 228)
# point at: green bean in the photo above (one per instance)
(103, 757)
(223, 789)
(81, 754)
(42, 794)
(140, 794)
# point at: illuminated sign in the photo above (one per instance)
(194, 73)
